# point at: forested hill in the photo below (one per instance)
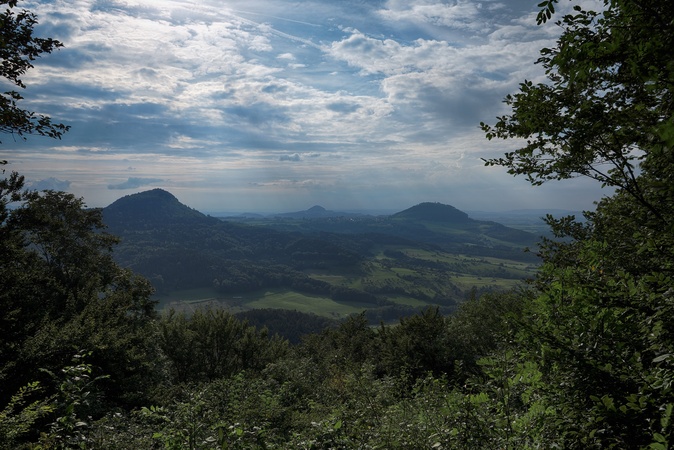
(150, 209)
(157, 218)
(445, 219)
(315, 212)
(177, 247)
(436, 212)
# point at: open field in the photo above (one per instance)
(186, 296)
(285, 299)
(190, 299)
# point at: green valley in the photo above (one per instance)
(331, 265)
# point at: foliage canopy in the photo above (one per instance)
(598, 332)
(19, 47)
(607, 109)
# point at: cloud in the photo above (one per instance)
(50, 184)
(343, 107)
(259, 114)
(305, 184)
(260, 44)
(214, 94)
(462, 14)
(134, 183)
(292, 157)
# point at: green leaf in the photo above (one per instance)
(659, 438)
(662, 357)
(667, 416)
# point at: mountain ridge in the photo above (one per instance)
(315, 212)
(430, 222)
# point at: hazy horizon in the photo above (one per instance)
(373, 211)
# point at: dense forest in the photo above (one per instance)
(582, 358)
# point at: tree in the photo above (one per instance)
(66, 241)
(607, 111)
(212, 344)
(599, 330)
(420, 344)
(18, 49)
(61, 292)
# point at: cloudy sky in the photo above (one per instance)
(275, 105)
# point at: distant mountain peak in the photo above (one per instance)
(158, 192)
(153, 196)
(315, 212)
(155, 207)
(433, 211)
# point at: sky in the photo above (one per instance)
(275, 105)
